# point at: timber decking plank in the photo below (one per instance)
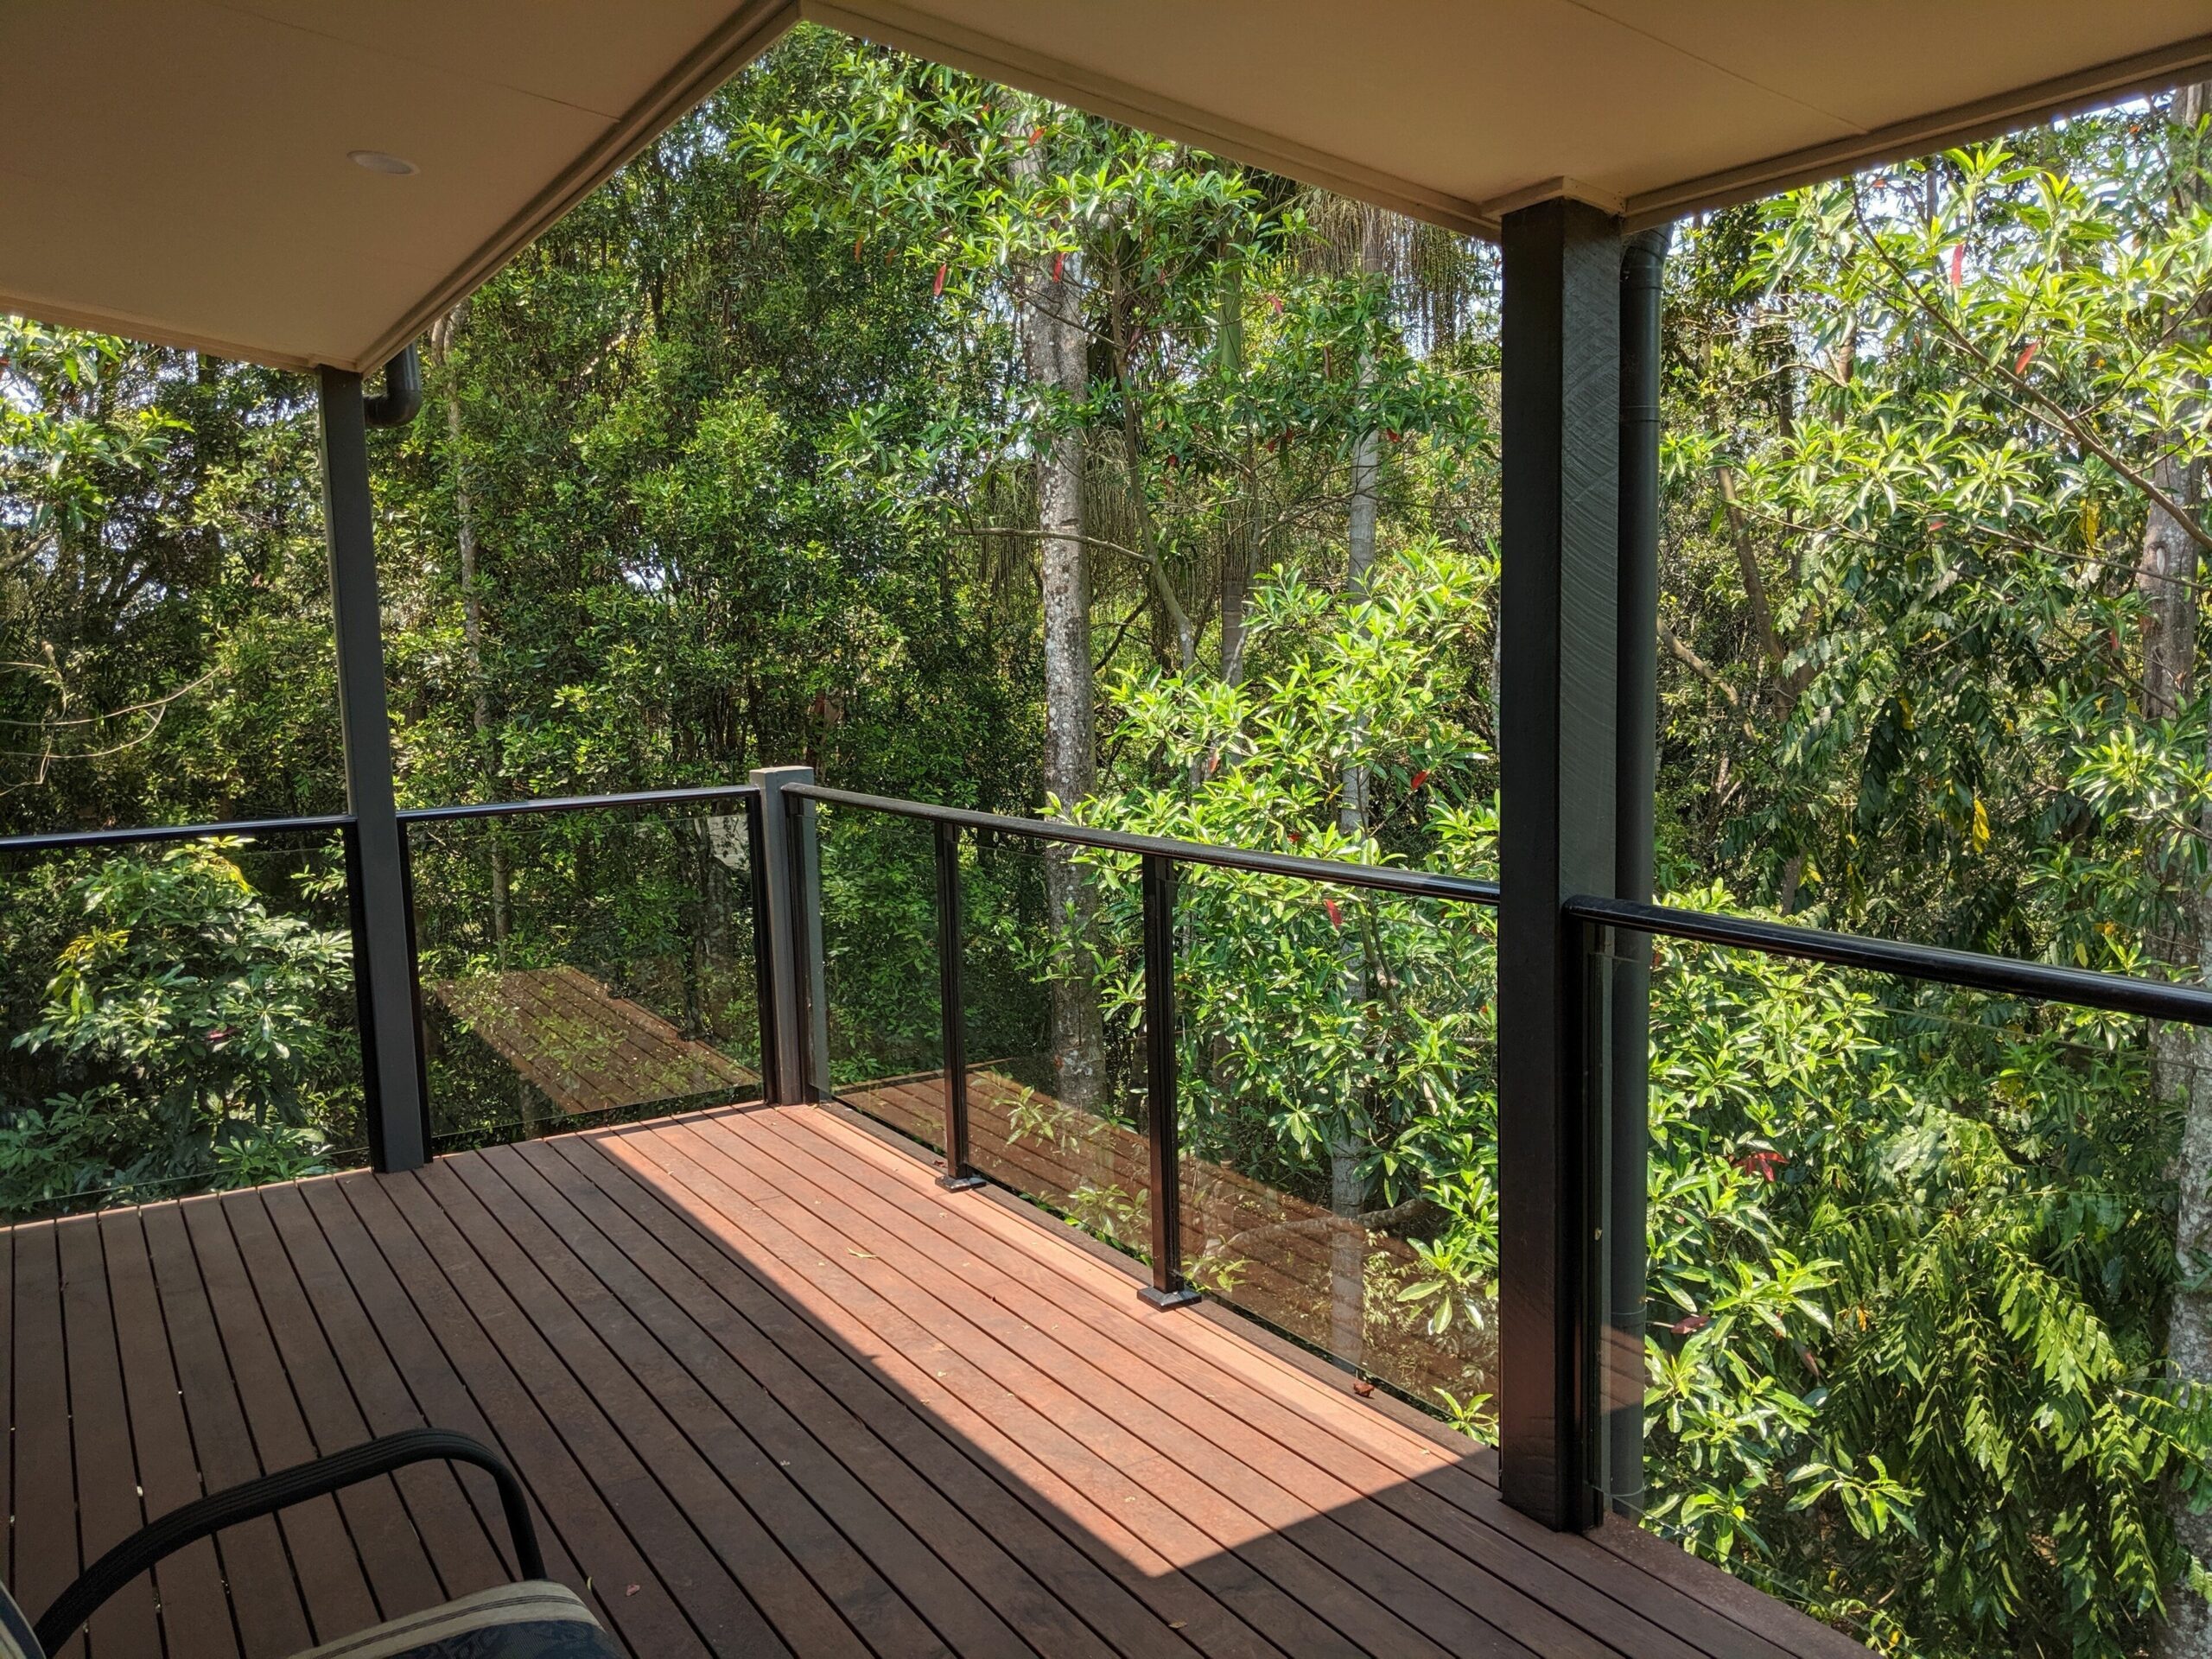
(584, 1047)
(265, 1596)
(1407, 1523)
(849, 1405)
(195, 1610)
(1098, 1500)
(649, 1618)
(1105, 1467)
(1515, 1549)
(433, 1382)
(1284, 1280)
(812, 1426)
(395, 1561)
(454, 1532)
(333, 1582)
(46, 1555)
(818, 1607)
(1631, 1609)
(783, 1393)
(108, 1506)
(817, 1510)
(726, 1617)
(1458, 1483)
(1439, 1592)
(1739, 1602)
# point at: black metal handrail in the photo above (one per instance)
(707, 795)
(1386, 877)
(1160, 857)
(1967, 970)
(66, 840)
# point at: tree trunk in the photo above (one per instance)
(1053, 345)
(1237, 558)
(2166, 582)
(472, 624)
(2166, 577)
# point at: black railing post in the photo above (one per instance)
(415, 981)
(365, 1007)
(764, 956)
(953, 1018)
(1166, 1288)
(383, 971)
(797, 1067)
(1607, 1375)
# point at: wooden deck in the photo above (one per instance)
(772, 1391)
(581, 1046)
(1266, 1251)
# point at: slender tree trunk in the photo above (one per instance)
(2166, 577)
(1054, 345)
(472, 624)
(2165, 583)
(1237, 557)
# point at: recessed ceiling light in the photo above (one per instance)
(377, 162)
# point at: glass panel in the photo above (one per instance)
(879, 968)
(583, 967)
(175, 1017)
(1338, 1124)
(1913, 1261)
(1054, 986)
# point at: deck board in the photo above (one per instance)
(1275, 1247)
(771, 1391)
(584, 1047)
(109, 1509)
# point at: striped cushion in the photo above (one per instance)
(536, 1620)
(17, 1641)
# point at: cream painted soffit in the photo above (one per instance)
(1459, 110)
(175, 169)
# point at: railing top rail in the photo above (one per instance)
(1422, 884)
(704, 796)
(1968, 969)
(65, 839)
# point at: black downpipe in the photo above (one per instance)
(1643, 258)
(402, 397)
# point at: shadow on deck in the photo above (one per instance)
(772, 1391)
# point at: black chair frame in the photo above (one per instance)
(251, 1499)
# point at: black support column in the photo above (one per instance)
(383, 965)
(1628, 1131)
(1559, 719)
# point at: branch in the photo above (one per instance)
(1747, 561)
(2021, 393)
(1680, 650)
(160, 702)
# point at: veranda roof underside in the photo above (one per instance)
(177, 170)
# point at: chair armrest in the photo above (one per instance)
(253, 1498)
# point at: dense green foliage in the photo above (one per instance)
(739, 466)
(193, 1035)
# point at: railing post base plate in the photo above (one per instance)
(960, 1183)
(1169, 1298)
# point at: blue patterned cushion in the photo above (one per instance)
(536, 1620)
(17, 1641)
